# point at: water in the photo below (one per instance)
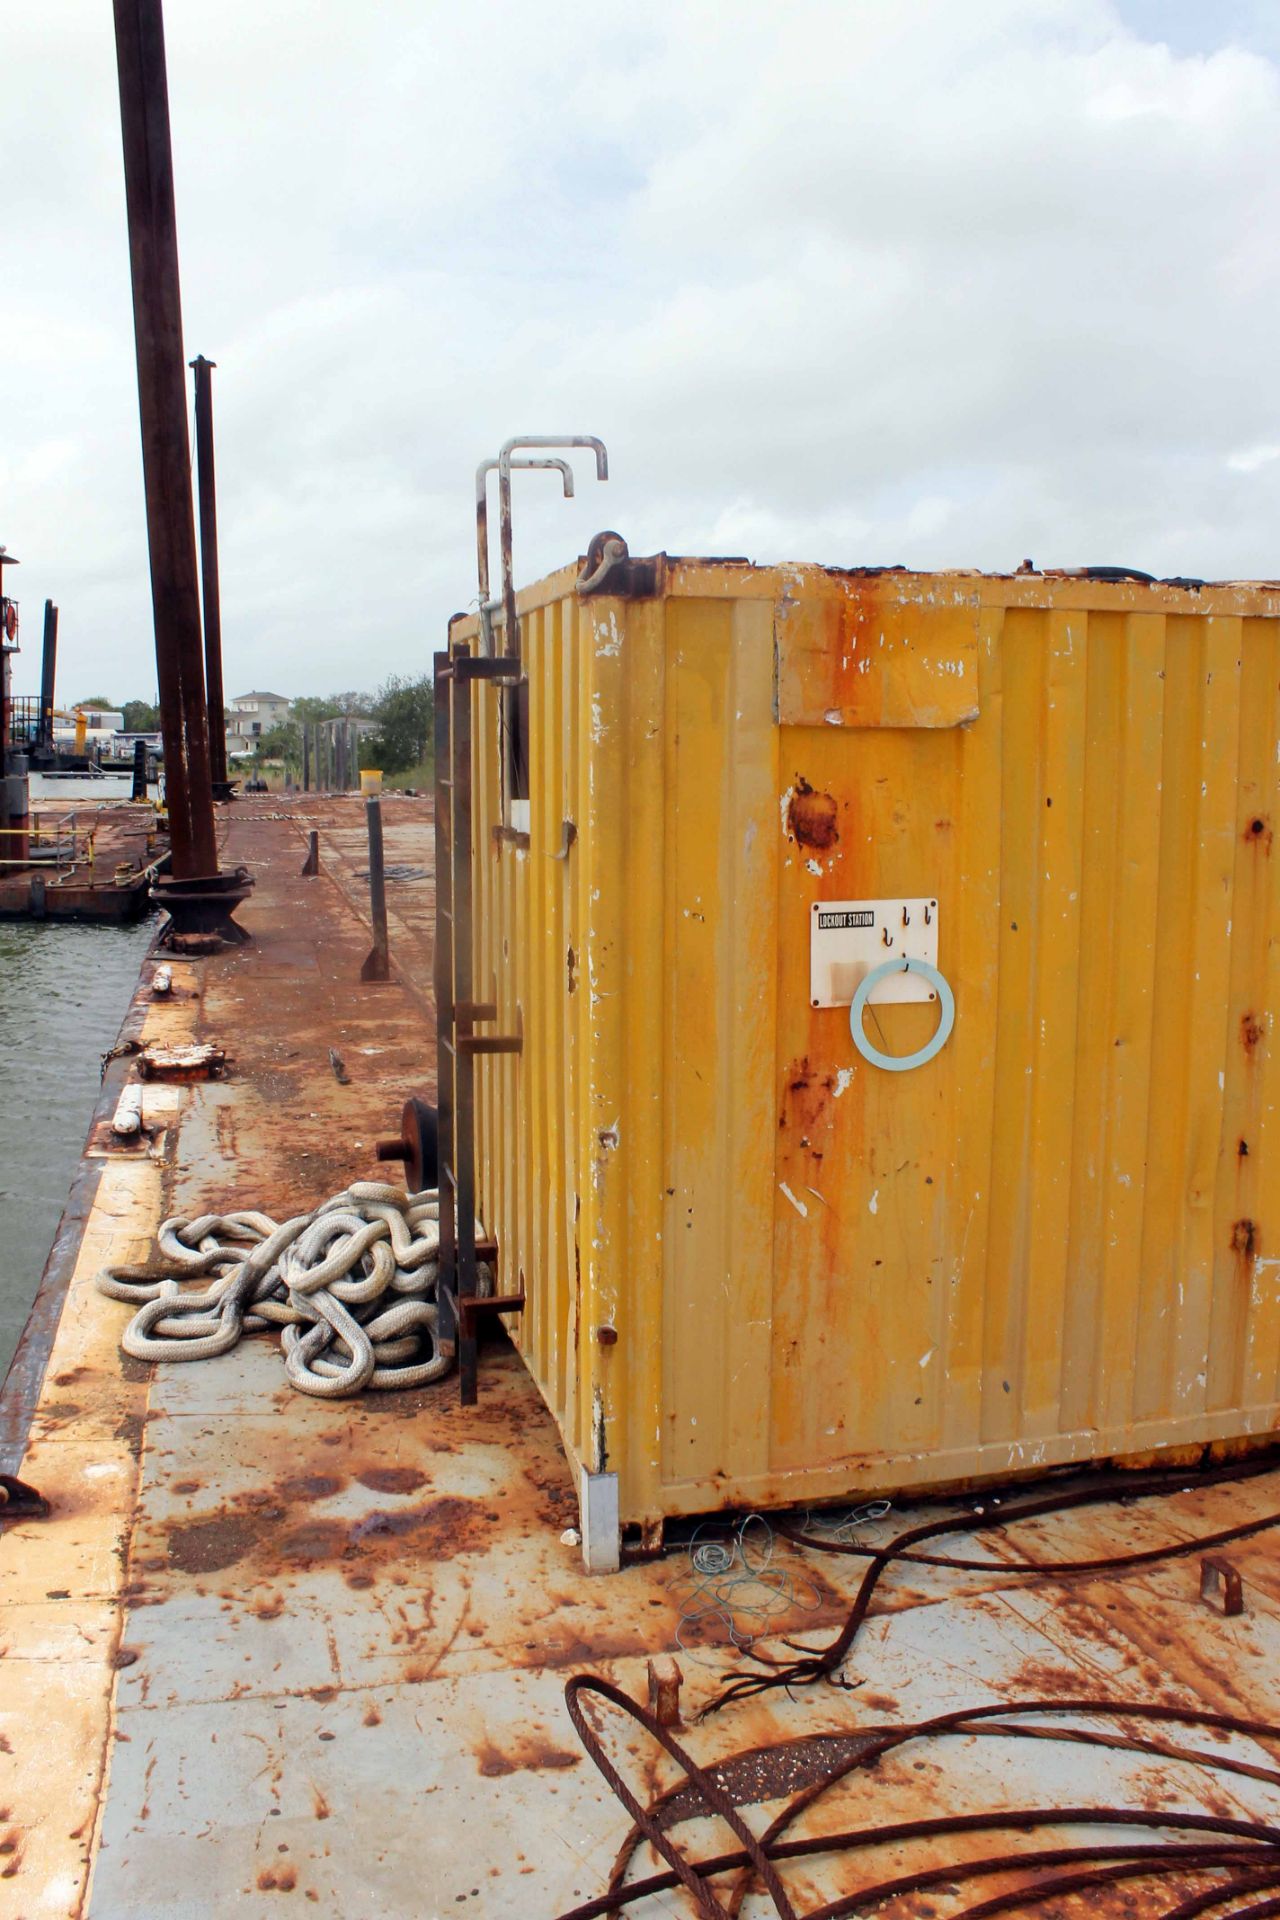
(63, 993)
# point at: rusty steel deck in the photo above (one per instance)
(269, 1649)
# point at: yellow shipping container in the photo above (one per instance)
(760, 1268)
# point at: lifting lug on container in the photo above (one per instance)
(609, 568)
(18, 1501)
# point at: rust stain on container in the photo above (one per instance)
(811, 817)
(1253, 1031)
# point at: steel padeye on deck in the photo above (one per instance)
(857, 1019)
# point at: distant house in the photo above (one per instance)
(250, 715)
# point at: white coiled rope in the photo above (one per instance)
(351, 1285)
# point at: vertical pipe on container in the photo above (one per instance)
(445, 1055)
(209, 584)
(166, 451)
(461, 882)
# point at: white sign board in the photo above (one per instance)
(847, 938)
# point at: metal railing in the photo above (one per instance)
(24, 721)
(59, 844)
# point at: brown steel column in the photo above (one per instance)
(48, 673)
(166, 450)
(7, 647)
(209, 574)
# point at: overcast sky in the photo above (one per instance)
(855, 281)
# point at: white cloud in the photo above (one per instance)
(850, 279)
(1252, 459)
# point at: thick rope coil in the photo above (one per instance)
(351, 1286)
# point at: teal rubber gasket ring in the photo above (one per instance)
(903, 1062)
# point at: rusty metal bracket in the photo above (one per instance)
(182, 1060)
(472, 1304)
(1220, 1585)
(489, 1043)
(474, 666)
(665, 1682)
(20, 1501)
(568, 834)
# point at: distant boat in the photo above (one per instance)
(81, 785)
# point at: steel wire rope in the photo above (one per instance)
(820, 1665)
(1259, 1838)
(980, 1720)
(732, 1577)
(1135, 1485)
(1125, 1486)
(1201, 1903)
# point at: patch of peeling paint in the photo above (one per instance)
(799, 1205)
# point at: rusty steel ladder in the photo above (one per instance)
(458, 1013)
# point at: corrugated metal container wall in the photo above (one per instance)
(760, 1269)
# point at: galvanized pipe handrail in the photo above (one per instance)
(505, 453)
(483, 471)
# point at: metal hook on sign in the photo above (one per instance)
(511, 642)
(906, 918)
(483, 471)
(886, 937)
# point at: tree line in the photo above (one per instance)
(402, 711)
